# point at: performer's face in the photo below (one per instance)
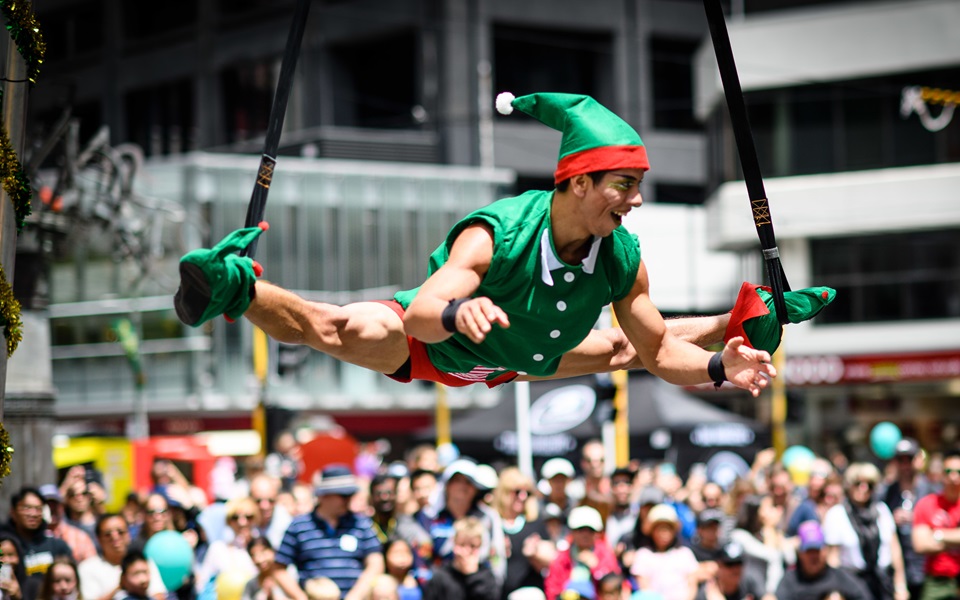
(608, 202)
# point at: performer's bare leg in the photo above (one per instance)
(367, 334)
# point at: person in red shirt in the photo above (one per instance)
(936, 533)
(588, 559)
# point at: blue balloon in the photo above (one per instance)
(447, 453)
(797, 456)
(883, 439)
(172, 554)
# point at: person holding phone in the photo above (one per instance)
(14, 583)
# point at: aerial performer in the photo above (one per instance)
(515, 289)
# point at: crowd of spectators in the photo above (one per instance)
(421, 530)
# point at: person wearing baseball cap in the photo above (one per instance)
(813, 577)
(78, 539)
(556, 475)
(587, 559)
(706, 544)
(730, 580)
(623, 513)
(332, 541)
(461, 488)
(901, 496)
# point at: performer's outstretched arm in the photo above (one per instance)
(607, 350)
(680, 362)
(699, 331)
(458, 278)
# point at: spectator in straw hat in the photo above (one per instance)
(666, 567)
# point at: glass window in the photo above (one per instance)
(672, 69)
(160, 118)
(672, 193)
(376, 81)
(840, 126)
(247, 92)
(560, 61)
(812, 126)
(890, 277)
(73, 30)
(147, 19)
(864, 142)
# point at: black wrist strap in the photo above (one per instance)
(449, 315)
(715, 369)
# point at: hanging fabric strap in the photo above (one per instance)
(268, 161)
(748, 155)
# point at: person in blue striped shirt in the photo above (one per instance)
(332, 541)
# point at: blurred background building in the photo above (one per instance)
(391, 135)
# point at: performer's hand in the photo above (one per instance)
(477, 316)
(747, 368)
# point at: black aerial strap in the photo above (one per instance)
(268, 161)
(748, 155)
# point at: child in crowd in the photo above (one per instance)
(465, 577)
(134, 577)
(61, 582)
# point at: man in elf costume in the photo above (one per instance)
(517, 286)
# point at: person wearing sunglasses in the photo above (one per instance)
(231, 555)
(936, 533)
(861, 536)
(530, 549)
(100, 574)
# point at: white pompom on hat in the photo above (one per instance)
(504, 103)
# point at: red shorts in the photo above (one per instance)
(418, 366)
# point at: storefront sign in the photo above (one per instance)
(875, 368)
(540, 445)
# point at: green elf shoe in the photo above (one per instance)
(755, 319)
(217, 281)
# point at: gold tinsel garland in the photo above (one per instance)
(9, 315)
(6, 453)
(25, 31)
(13, 178)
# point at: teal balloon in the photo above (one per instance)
(172, 554)
(883, 439)
(797, 457)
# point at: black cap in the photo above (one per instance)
(623, 472)
(907, 447)
(731, 554)
(710, 515)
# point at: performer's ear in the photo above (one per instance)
(578, 184)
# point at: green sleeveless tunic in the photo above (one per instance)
(552, 305)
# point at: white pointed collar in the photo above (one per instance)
(549, 261)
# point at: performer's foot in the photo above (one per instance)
(754, 317)
(217, 281)
(193, 295)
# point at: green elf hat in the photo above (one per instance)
(755, 319)
(594, 139)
